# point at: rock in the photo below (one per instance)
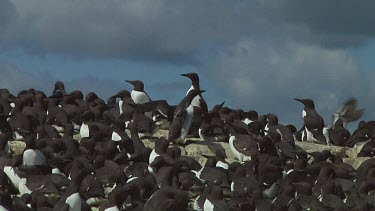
(311, 147)
(148, 142)
(353, 152)
(157, 134)
(199, 149)
(77, 137)
(355, 162)
(17, 147)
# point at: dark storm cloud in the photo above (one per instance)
(336, 23)
(166, 30)
(176, 31)
(7, 13)
(16, 80)
(266, 76)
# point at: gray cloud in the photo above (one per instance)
(336, 23)
(267, 75)
(7, 13)
(16, 80)
(150, 30)
(180, 31)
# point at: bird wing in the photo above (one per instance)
(349, 111)
(245, 145)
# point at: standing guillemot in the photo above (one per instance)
(313, 123)
(183, 117)
(198, 100)
(139, 95)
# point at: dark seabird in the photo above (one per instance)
(313, 123)
(138, 93)
(348, 112)
(71, 200)
(338, 134)
(183, 118)
(59, 87)
(167, 199)
(198, 100)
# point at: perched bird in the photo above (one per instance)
(313, 123)
(182, 118)
(198, 100)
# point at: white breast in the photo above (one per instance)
(57, 171)
(32, 157)
(191, 88)
(84, 131)
(195, 205)
(240, 157)
(187, 123)
(195, 101)
(115, 208)
(116, 136)
(208, 206)
(14, 178)
(266, 128)
(222, 165)
(152, 157)
(131, 179)
(198, 174)
(2, 208)
(120, 105)
(17, 136)
(247, 121)
(74, 202)
(140, 97)
(22, 188)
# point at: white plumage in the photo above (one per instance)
(84, 130)
(140, 97)
(74, 202)
(195, 101)
(116, 136)
(208, 206)
(241, 157)
(187, 123)
(33, 157)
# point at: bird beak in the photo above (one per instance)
(130, 82)
(184, 75)
(299, 100)
(202, 91)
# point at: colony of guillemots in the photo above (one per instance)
(69, 151)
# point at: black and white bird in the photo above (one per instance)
(183, 117)
(139, 95)
(313, 123)
(198, 100)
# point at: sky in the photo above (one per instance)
(252, 54)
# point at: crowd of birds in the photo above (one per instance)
(109, 166)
